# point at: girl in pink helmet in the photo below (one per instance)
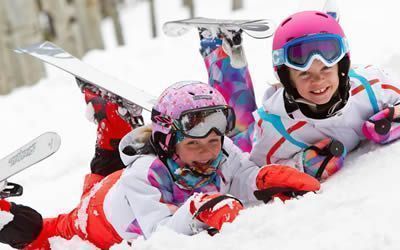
(323, 106)
(188, 176)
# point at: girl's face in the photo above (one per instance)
(199, 153)
(318, 84)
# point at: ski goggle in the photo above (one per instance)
(199, 123)
(300, 53)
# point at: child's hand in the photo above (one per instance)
(283, 182)
(324, 158)
(384, 126)
(214, 209)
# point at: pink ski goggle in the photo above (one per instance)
(300, 53)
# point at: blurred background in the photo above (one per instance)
(75, 25)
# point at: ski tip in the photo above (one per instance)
(19, 50)
(28, 48)
(54, 140)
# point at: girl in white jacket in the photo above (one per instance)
(191, 177)
(322, 107)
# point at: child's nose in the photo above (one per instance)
(316, 78)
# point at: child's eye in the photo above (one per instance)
(326, 68)
(192, 143)
(214, 141)
(304, 75)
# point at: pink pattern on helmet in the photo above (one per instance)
(183, 96)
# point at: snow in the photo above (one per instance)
(356, 209)
(81, 221)
(5, 218)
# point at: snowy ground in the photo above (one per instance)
(356, 209)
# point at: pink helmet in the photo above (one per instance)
(303, 25)
(178, 98)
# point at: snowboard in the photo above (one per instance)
(31, 153)
(56, 56)
(256, 28)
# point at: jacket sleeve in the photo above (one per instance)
(237, 88)
(240, 172)
(150, 193)
(389, 88)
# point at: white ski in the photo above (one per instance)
(33, 152)
(257, 28)
(56, 56)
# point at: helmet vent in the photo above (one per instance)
(287, 20)
(191, 93)
(321, 14)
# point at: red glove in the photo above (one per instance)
(281, 181)
(215, 209)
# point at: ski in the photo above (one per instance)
(31, 153)
(119, 90)
(256, 28)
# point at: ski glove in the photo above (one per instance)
(283, 182)
(112, 119)
(324, 158)
(384, 126)
(19, 225)
(214, 209)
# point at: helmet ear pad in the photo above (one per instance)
(284, 76)
(344, 83)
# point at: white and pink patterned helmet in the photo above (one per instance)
(178, 99)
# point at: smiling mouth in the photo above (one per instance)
(319, 91)
(201, 163)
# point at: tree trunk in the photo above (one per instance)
(237, 4)
(153, 19)
(189, 4)
(110, 8)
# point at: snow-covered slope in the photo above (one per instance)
(356, 209)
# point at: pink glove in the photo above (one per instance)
(384, 126)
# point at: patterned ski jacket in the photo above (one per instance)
(146, 196)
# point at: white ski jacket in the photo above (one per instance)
(278, 137)
(146, 196)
